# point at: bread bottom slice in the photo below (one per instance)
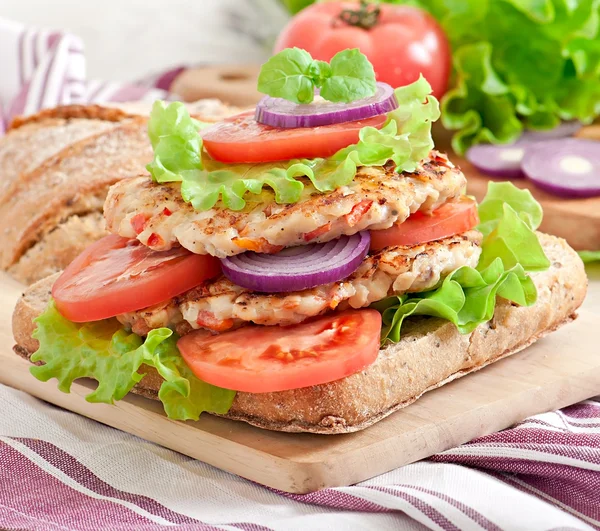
(430, 354)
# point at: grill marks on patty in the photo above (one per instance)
(376, 199)
(220, 305)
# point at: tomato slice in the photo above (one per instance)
(448, 220)
(241, 138)
(116, 275)
(264, 359)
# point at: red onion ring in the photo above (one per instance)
(278, 112)
(568, 167)
(298, 268)
(505, 160)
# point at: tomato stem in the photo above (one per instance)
(365, 17)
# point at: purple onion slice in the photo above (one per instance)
(298, 268)
(505, 160)
(568, 167)
(498, 160)
(278, 112)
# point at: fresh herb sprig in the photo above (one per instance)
(294, 75)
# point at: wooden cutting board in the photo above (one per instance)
(576, 220)
(555, 372)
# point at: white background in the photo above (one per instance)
(127, 39)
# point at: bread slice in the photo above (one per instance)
(431, 353)
(59, 247)
(57, 165)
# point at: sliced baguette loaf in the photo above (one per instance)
(431, 353)
(57, 166)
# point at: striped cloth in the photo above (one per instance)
(43, 69)
(59, 471)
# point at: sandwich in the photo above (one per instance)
(312, 265)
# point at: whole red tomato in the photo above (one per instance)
(400, 41)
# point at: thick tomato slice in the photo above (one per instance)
(241, 138)
(116, 275)
(264, 359)
(448, 220)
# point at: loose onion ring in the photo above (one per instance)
(506, 160)
(566, 167)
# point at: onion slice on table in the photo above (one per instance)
(498, 160)
(278, 112)
(298, 268)
(568, 167)
(505, 160)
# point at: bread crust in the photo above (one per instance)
(431, 353)
(75, 181)
(57, 165)
(68, 112)
(58, 247)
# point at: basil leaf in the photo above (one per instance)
(288, 75)
(352, 78)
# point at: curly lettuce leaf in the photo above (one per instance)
(518, 64)
(405, 140)
(508, 217)
(175, 140)
(500, 194)
(467, 297)
(105, 352)
(184, 396)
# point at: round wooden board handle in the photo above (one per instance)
(235, 84)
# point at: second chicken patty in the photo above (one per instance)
(220, 305)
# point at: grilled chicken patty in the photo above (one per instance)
(220, 305)
(378, 197)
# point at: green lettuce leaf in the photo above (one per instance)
(589, 256)
(405, 140)
(175, 141)
(467, 297)
(105, 352)
(518, 64)
(184, 396)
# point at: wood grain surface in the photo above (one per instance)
(576, 220)
(559, 370)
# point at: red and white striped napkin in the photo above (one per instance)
(59, 471)
(42, 69)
